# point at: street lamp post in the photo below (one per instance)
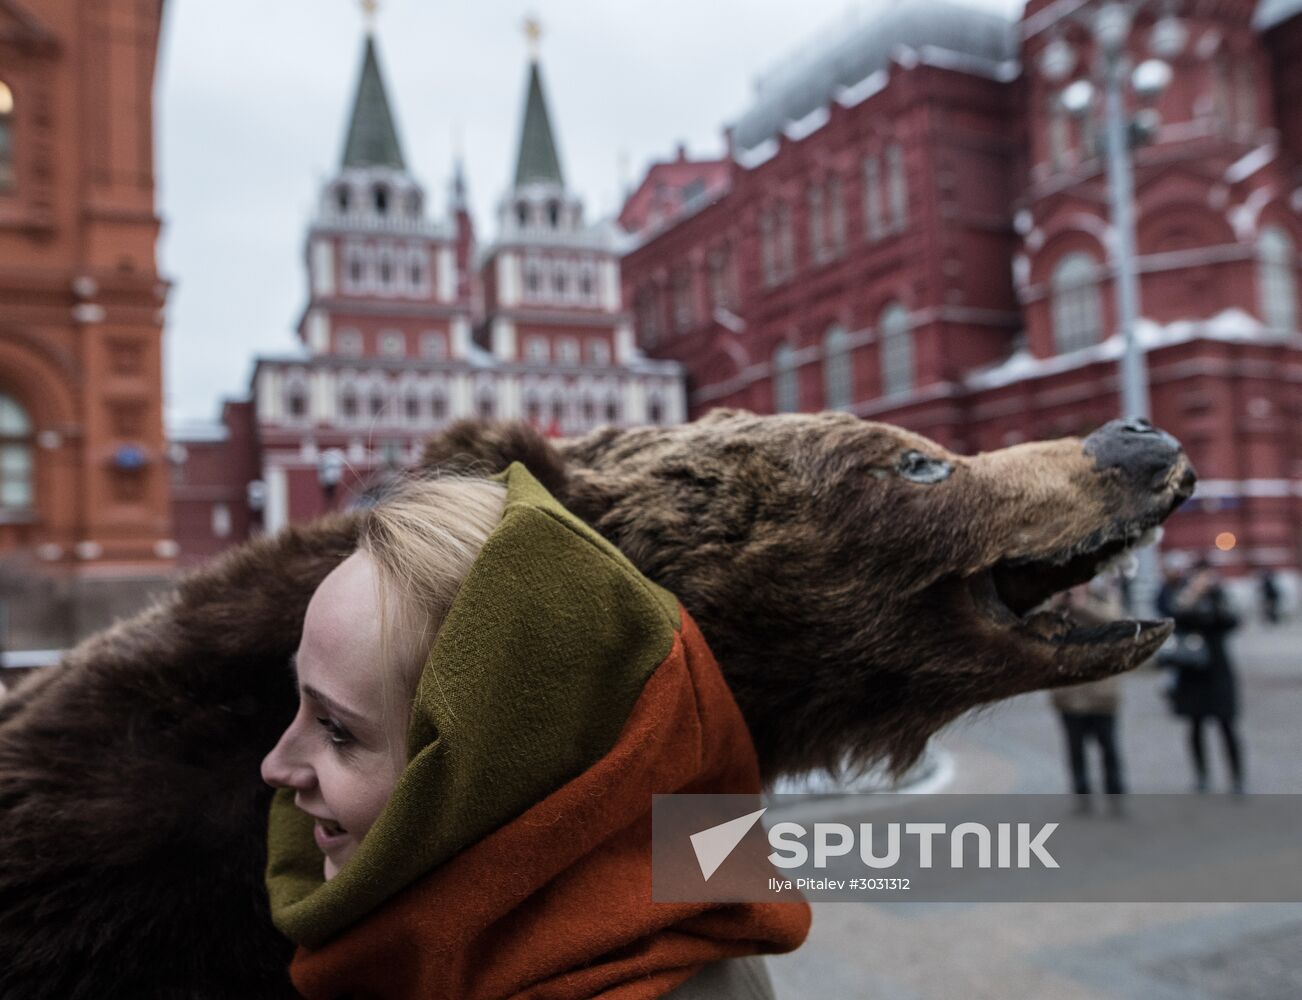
(329, 472)
(1110, 26)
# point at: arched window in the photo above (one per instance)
(342, 197)
(433, 346)
(655, 410)
(1058, 129)
(532, 275)
(836, 217)
(786, 242)
(1077, 314)
(296, 400)
(598, 352)
(348, 403)
(6, 137)
(1245, 89)
(537, 350)
(1277, 279)
(648, 318)
(554, 213)
(874, 225)
(768, 248)
(837, 381)
(898, 186)
(487, 404)
(817, 223)
(380, 196)
(684, 314)
(15, 456)
(349, 343)
(897, 350)
(786, 382)
(1223, 90)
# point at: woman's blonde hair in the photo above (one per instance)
(422, 537)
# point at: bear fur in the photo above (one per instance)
(859, 585)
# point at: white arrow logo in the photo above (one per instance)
(713, 846)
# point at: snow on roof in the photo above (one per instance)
(1248, 164)
(1231, 324)
(762, 152)
(189, 429)
(1272, 12)
(853, 50)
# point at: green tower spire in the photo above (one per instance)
(537, 161)
(372, 138)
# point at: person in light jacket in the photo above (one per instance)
(1089, 711)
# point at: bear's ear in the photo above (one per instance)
(486, 447)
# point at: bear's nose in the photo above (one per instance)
(1144, 454)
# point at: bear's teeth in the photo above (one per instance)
(1150, 537)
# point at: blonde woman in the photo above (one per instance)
(490, 694)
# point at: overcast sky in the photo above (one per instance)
(253, 98)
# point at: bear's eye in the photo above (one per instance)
(919, 468)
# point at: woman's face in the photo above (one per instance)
(340, 755)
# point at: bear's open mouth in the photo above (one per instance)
(1012, 590)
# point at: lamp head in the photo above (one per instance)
(1077, 98)
(1057, 60)
(1168, 37)
(1151, 78)
(1112, 27)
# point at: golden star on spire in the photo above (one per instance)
(369, 8)
(532, 33)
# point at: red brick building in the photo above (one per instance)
(914, 229)
(85, 526)
(409, 326)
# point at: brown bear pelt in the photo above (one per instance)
(859, 585)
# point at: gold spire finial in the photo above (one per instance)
(532, 33)
(369, 8)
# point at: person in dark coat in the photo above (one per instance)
(1172, 580)
(1208, 691)
(1269, 597)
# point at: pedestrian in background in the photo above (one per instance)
(1172, 580)
(1269, 591)
(1205, 686)
(1089, 711)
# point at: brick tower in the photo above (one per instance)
(84, 514)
